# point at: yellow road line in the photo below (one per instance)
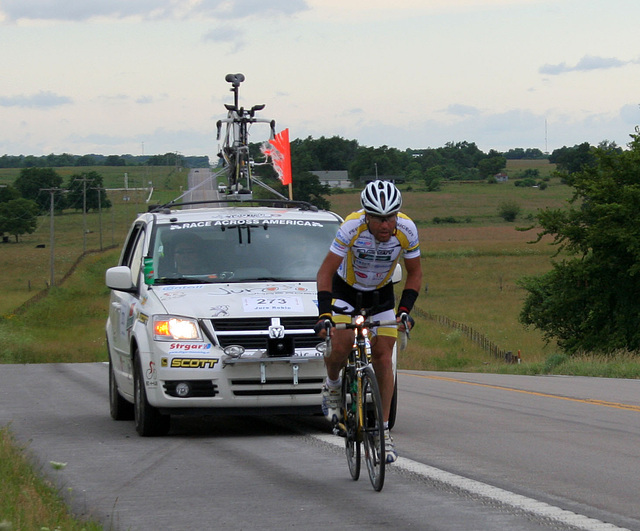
(616, 405)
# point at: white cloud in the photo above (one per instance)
(458, 109)
(238, 9)
(227, 34)
(83, 10)
(587, 63)
(376, 9)
(41, 100)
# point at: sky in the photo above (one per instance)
(148, 76)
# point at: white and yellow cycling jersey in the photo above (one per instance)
(369, 264)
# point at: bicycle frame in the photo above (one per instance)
(359, 358)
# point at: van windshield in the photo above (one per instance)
(202, 252)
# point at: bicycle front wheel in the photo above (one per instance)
(373, 428)
(350, 418)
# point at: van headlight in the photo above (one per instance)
(168, 328)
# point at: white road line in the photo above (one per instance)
(504, 497)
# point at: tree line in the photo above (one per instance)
(64, 160)
(30, 196)
(430, 167)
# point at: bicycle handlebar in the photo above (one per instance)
(365, 324)
(403, 337)
(405, 319)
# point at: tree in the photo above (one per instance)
(18, 217)
(521, 153)
(573, 159)
(383, 162)
(306, 187)
(168, 159)
(590, 300)
(115, 160)
(77, 187)
(433, 177)
(329, 154)
(509, 210)
(86, 160)
(7, 193)
(492, 164)
(33, 183)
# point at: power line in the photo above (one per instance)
(84, 181)
(52, 192)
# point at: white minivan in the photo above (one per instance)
(212, 311)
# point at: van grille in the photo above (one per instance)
(276, 387)
(253, 333)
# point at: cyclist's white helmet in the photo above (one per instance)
(381, 198)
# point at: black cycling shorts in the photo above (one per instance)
(384, 300)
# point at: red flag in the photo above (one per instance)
(280, 153)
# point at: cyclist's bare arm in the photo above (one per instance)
(414, 273)
(324, 280)
(413, 268)
(329, 266)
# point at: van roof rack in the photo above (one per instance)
(276, 203)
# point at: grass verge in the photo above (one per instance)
(68, 324)
(27, 501)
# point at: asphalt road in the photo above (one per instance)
(200, 186)
(479, 452)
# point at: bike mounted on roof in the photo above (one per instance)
(235, 158)
(234, 174)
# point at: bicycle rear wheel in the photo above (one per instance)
(373, 428)
(350, 416)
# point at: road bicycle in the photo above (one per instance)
(362, 423)
(234, 154)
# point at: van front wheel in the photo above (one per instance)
(149, 421)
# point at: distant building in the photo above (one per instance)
(334, 179)
(501, 177)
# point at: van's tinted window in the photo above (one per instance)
(240, 252)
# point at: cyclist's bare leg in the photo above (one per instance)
(382, 358)
(341, 343)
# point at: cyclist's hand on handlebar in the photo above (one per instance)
(405, 321)
(322, 327)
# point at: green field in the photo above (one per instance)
(471, 268)
(161, 177)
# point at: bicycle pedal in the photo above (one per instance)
(340, 429)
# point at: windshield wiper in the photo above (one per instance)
(180, 280)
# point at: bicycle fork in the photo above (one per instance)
(352, 408)
(359, 409)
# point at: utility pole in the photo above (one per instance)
(84, 182)
(52, 280)
(99, 212)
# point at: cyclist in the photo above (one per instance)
(362, 259)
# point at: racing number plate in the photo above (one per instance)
(272, 304)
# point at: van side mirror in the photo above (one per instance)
(119, 278)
